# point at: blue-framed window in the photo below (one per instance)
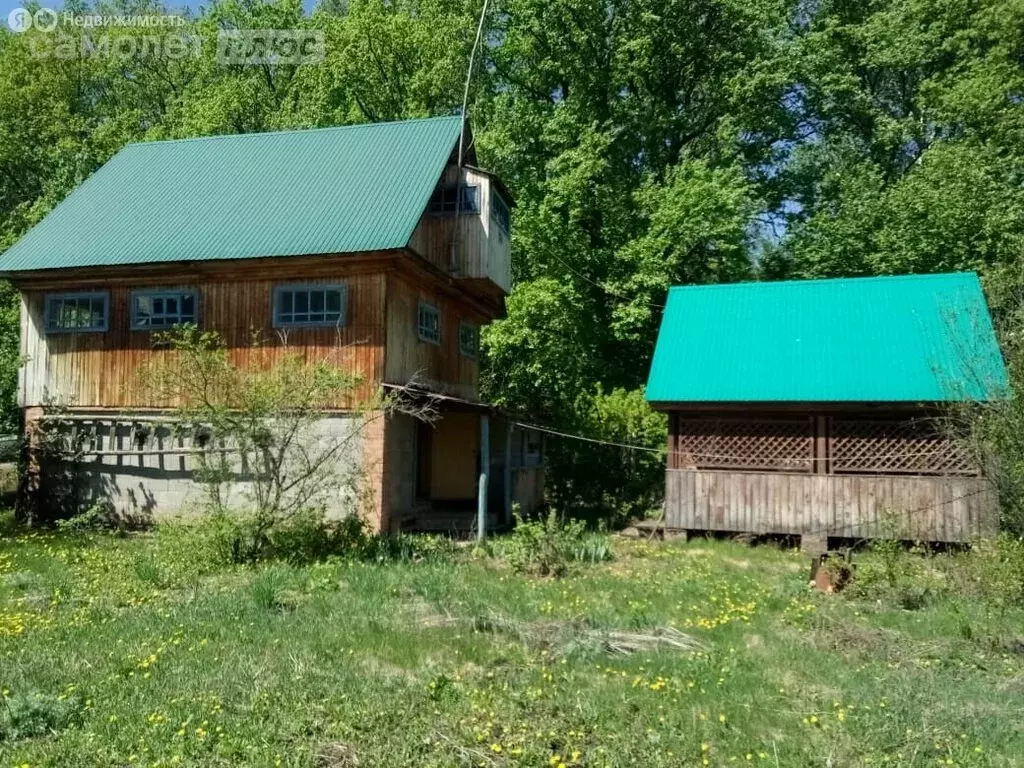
(309, 305)
(77, 312)
(428, 323)
(445, 199)
(469, 340)
(500, 212)
(156, 309)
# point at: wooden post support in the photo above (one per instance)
(485, 460)
(820, 446)
(508, 473)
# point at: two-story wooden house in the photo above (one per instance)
(366, 243)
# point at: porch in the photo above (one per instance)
(829, 472)
(433, 469)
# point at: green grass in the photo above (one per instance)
(132, 651)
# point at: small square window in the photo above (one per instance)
(162, 309)
(428, 323)
(309, 305)
(469, 340)
(77, 312)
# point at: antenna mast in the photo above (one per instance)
(462, 141)
(469, 76)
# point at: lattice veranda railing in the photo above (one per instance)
(895, 447)
(782, 445)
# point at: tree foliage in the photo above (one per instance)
(260, 426)
(647, 142)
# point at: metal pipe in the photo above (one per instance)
(485, 460)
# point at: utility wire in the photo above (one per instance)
(604, 288)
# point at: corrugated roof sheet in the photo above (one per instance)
(330, 190)
(912, 338)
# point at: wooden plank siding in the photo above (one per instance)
(102, 370)
(378, 341)
(408, 358)
(928, 508)
(481, 249)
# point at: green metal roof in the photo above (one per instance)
(330, 190)
(912, 338)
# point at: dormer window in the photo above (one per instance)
(500, 213)
(445, 199)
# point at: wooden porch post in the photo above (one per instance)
(485, 460)
(508, 472)
(821, 456)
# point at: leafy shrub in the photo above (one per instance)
(95, 518)
(262, 421)
(36, 714)
(308, 537)
(607, 481)
(548, 546)
(896, 575)
(992, 570)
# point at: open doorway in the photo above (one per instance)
(424, 460)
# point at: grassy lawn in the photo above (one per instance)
(130, 651)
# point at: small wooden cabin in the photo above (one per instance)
(368, 245)
(814, 408)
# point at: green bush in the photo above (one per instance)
(148, 569)
(608, 482)
(97, 517)
(547, 547)
(36, 714)
(992, 570)
(308, 537)
(594, 548)
(894, 574)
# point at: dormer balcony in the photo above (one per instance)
(466, 230)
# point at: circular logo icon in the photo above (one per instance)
(45, 20)
(19, 19)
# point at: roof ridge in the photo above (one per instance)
(833, 280)
(322, 129)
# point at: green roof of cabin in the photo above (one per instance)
(322, 191)
(912, 338)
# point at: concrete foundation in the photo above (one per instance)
(145, 472)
